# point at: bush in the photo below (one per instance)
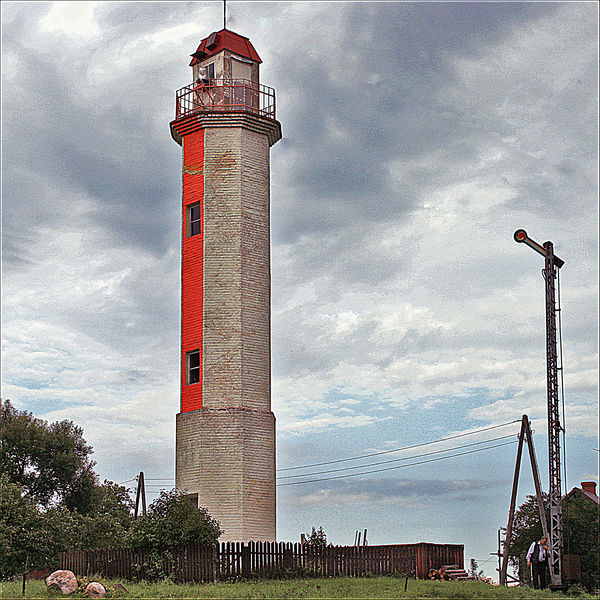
(173, 520)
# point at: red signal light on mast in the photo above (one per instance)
(520, 235)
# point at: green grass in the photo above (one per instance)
(339, 587)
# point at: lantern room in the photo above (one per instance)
(226, 55)
(225, 70)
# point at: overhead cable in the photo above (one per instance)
(383, 462)
(452, 437)
(421, 462)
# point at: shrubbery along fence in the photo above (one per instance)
(231, 560)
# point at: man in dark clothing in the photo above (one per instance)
(537, 558)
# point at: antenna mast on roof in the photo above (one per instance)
(224, 14)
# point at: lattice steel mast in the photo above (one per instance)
(552, 264)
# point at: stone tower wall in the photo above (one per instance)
(227, 457)
(237, 281)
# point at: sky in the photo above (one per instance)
(417, 137)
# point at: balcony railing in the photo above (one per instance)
(220, 95)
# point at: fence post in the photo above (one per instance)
(246, 570)
(287, 558)
(214, 562)
(419, 562)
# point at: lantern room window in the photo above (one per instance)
(192, 361)
(207, 71)
(194, 219)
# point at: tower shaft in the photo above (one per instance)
(225, 434)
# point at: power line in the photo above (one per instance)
(452, 437)
(135, 479)
(504, 437)
(398, 466)
(374, 454)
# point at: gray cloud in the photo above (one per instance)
(375, 490)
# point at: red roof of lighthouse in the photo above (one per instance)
(225, 40)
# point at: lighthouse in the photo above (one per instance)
(225, 123)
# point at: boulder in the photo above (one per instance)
(63, 581)
(95, 590)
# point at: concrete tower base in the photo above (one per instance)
(227, 457)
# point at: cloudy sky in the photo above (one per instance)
(417, 138)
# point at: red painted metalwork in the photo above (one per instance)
(225, 95)
(225, 40)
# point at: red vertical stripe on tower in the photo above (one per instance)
(192, 274)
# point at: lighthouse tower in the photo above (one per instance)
(225, 433)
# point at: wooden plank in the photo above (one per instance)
(225, 560)
(215, 564)
(246, 560)
(199, 556)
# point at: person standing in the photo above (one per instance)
(537, 558)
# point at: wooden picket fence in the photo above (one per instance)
(234, 560)
(186, 563)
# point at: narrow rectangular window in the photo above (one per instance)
(192, 499)
(192, 360)
(194, 221)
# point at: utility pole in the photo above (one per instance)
(140, 495)
(499, 553)
(551, 265)
(525, 435)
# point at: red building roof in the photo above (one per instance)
(587, 489)
(225, 40)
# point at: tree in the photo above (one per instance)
(317, 538)
(29, 537)
(526, 529)
(18, 516)
(109, 519)
(49, 461)
(32, 537)
(172, 520)
(581, 533)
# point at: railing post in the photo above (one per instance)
(225, 94)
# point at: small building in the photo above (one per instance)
(581, 563)
(587, 490)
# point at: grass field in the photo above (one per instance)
(341, 587)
